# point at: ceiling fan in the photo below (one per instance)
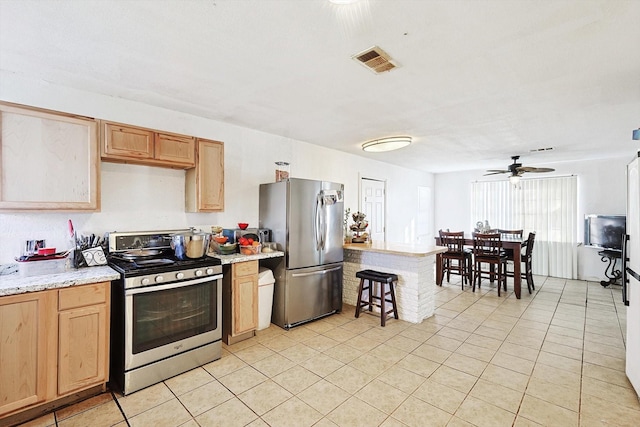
(516, 169)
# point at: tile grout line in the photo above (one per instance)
(126, 420)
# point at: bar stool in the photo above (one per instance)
(383, 279)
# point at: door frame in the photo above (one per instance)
(384, 181)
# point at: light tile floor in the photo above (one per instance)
(553, 358)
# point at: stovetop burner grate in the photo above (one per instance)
(165, 261)
(130, 268)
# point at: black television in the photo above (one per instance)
(604, 231)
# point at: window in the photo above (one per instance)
(547, 206)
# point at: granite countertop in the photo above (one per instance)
(396, 248)
(14, 283)
(233, 258)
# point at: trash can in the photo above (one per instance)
(265, 297)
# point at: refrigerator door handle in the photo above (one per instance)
(625, 269)
(317, 224)
(325, 228)
(313, 273)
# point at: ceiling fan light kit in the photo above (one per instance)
(386, 144)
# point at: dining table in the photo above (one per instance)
(514, 243)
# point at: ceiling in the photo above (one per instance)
(478, 80)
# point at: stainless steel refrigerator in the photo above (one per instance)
(631, 273)
(305, 218)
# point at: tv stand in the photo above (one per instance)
(610, 272)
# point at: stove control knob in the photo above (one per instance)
(209, 271)
(159, 279)
(180, 276)
(198, 273)
(145, 281)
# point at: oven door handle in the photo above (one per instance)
(184, 283)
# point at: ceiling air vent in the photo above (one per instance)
(537, 150)
(376, 60)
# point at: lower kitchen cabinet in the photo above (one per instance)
(240, 302)
(27, 342)
(53, 344)
(83, 337)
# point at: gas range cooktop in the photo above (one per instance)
(164, 262)
(120, 258)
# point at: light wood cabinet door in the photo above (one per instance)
(175, 149)
(130, 144)
(82, 348)
(127, 142)
(27, 350)
(48, 160)
(205, 183)
(245, 297)
(83, 342)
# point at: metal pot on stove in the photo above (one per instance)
(191, 244)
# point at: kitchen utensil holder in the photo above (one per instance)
(94, 256)
(78, 259)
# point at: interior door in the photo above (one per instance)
(633, 253)
(373, 204)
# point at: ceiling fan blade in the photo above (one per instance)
(498, 171)
(543, 170)
(494, 172)
(535, 170)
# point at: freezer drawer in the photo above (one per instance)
(307, 294)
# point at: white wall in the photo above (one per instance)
(150, 198)
(601, 190)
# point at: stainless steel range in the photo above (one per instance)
(166, 313)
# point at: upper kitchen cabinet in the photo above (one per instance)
(205, 183)
(129, 144)
(48, 160)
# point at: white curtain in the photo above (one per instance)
(547, 206)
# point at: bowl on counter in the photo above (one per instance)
(268, 247)
(228, 248)
(250, 250)
(221, 239)
(243, 225)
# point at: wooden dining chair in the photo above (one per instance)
(506, 234)
(457, 258)
(526, 257)
(487, 249)
(509, 234)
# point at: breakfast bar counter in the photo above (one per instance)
(414, 265)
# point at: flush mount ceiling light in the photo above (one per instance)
(386, 144)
